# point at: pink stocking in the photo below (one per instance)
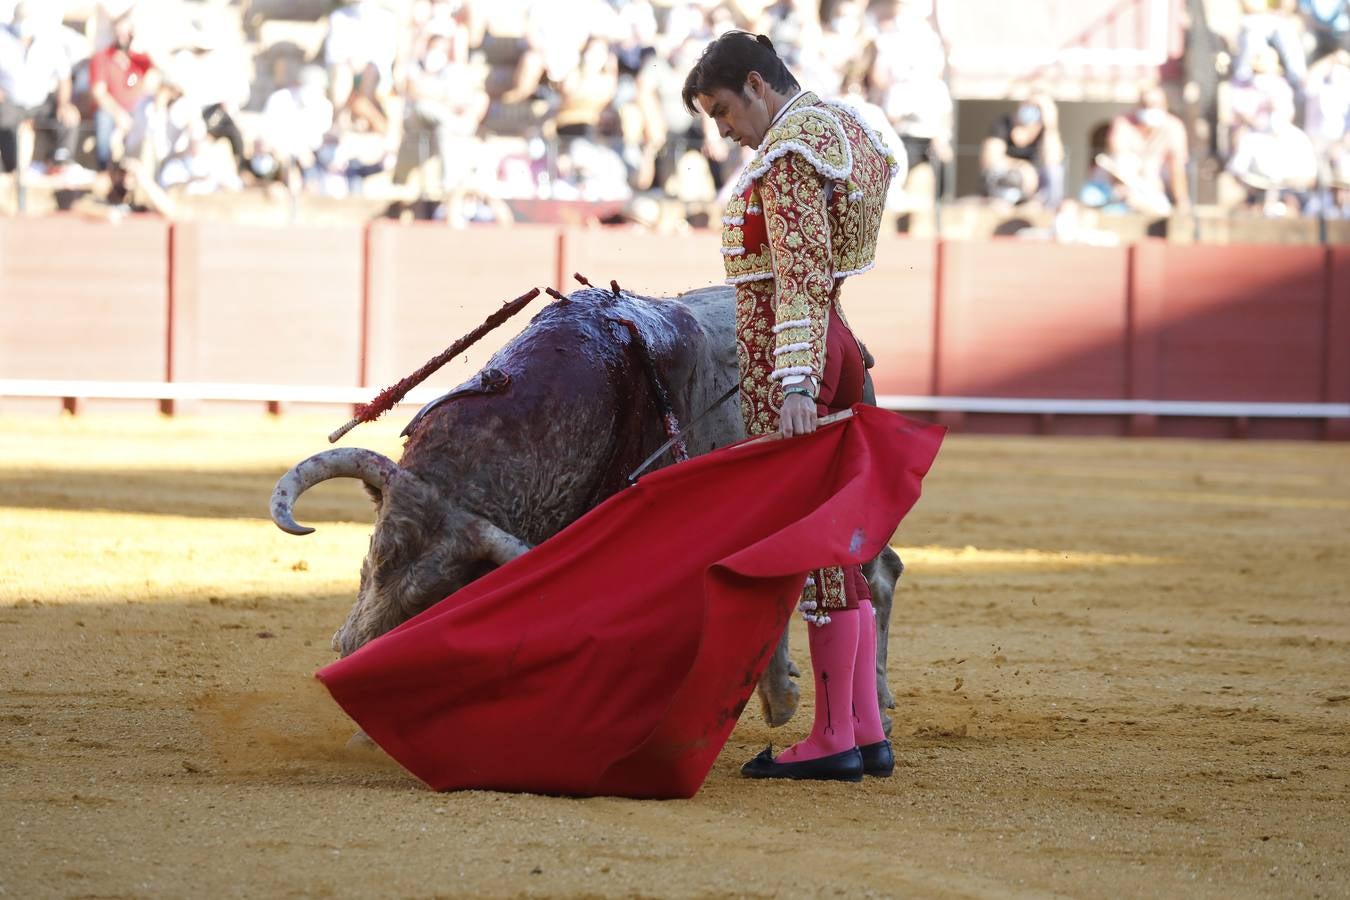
(866, 711)
(833, 650)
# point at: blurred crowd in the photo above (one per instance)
(483, 104)
(1282, 128)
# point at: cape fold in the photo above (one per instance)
(615, 658)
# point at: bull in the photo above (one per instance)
(552, 426)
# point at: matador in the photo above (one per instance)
(804, 216)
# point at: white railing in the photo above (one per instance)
(1051, 407)
(290, 393)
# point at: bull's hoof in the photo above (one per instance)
(886, 724)
(884, 695)
(779, 706)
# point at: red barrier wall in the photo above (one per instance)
(649, 264)
(84, 300)
(429, 284)
(216, 302)
(267, 305)
(1025, 319)
(892, 310)
(1336, 347)
(1233, 323)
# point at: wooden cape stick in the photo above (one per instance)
(778, 435)
(385, 399)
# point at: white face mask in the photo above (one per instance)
(1151, 117)
(437, 60)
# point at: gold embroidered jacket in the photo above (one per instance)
(804, 216)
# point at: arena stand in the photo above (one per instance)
(1220, 321)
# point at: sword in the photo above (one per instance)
(646, 463)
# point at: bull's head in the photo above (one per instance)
(424, 546)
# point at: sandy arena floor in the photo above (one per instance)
(1121, 669)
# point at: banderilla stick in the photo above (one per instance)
(385, 399)
(664, 403)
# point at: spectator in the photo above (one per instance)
(1327, 113)
(295, 124)
(1023, 157)
(635, 34)
(1144, 165)
(844, 34)
(215, 80)
(446, 100)
(1330, 21)
(587, 91)
(160, 118)
(117, 82)
(1271, 158)
(684, 133)
(1327, 119)
(342, 164)
(197, 167)
(686, 21)
(556, 37)
(907, 81)
(362, 44)
(642, 122)
(855, 94)
(1273, 24)
(35, 89)
(125, 189)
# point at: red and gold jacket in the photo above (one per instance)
(804, 216)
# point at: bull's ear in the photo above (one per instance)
(375, 495)
(497, 545)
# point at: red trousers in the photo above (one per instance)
(841, 384)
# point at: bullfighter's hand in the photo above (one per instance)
(797, 415)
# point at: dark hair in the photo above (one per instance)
(729, 60)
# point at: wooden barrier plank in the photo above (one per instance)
(1336, 381)
(429, 284)
(83, 299)
(254, 304)
(655, 265)
(891, 310)
(1030, 319)
(1336, 344)
(1241, 323)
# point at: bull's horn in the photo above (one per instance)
(373, 468)
(499, 546)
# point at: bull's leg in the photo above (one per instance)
(778, 696)
(883, 574)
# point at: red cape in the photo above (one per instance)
(616, 657)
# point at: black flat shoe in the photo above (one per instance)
(878, 759)
(844, 766)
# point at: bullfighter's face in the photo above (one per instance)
(742, 116)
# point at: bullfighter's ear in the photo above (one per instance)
(496, 545)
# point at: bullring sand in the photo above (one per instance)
(1121, 668)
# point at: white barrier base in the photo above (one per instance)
(290, 393)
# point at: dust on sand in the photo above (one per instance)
(1121, 669)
